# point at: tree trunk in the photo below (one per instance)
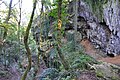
(19, 22)
(26, 42)
(38, 43)
(64, 62)
(75, 20)
(7, 19)
(10, 8)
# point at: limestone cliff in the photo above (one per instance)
(103, 19)
(98, 20)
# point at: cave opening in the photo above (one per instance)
(111, 55)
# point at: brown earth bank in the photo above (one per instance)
(98, 55)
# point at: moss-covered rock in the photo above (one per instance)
(107, 71)
(50, 74)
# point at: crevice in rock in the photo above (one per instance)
(82, 26)
(80, 18)
(107, 30)
(69, 27)
(111, 55)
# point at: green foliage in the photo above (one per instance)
(10, 54)
(53, 13)
(12, 33)
(11, 30)
(13, 46)
(82, 62)
(4, 25)
(69, 47)
(77, 59)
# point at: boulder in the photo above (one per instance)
(107, 71)
(50, 73)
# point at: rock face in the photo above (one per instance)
(112, 16)
(102, 17)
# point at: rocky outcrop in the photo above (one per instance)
(102, 21)
(98, 20)
(107, 71)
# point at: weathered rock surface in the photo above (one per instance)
(102, 17)
(107, 71)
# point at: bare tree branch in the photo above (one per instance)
(15, 4)
(3, 2)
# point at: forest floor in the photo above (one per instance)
(97, 54)
(13, 73)
(10, 73)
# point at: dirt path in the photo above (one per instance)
(12, 73)
(114, 60)
(90, 50)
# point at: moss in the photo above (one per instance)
(99, 74)
(114, 78)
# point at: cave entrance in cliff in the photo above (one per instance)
(103, 23)
(110, 55)
(108, 34)
(82, 26)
